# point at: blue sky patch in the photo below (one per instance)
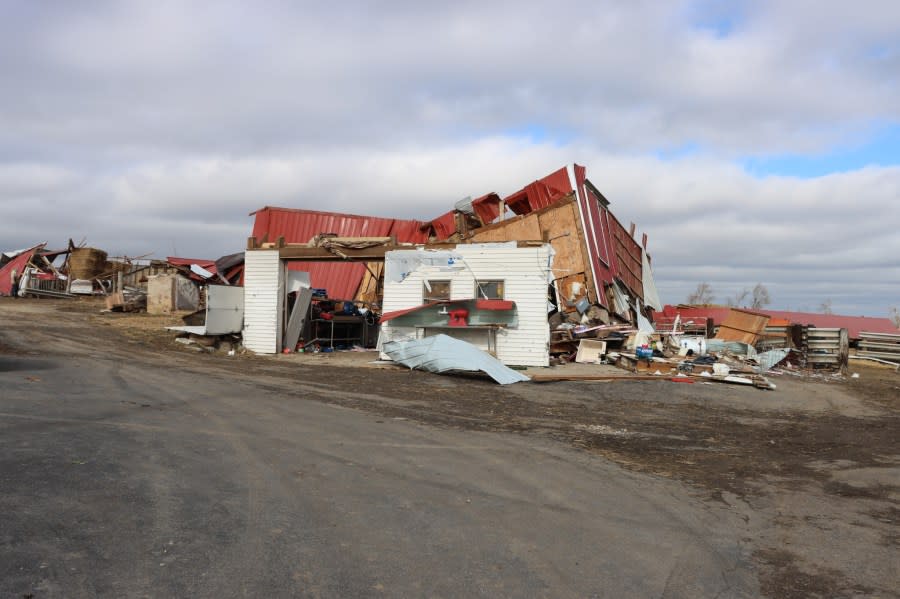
(882, 149)
(718, 16)
(540, 134)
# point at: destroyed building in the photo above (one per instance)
(599, 274)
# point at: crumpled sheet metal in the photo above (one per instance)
(736, 347)
(443, 353)
(768, 359)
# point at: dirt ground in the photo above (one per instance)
(813, 467)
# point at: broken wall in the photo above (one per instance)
(559, 225)
(525, 273)
(170, 293)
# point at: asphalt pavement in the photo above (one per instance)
(123, 479)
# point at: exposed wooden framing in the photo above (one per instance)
(559, 225)
(319, 254)
(306, 253)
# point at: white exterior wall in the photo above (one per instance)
(263, 301)
(525, 273)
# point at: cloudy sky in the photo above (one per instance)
(752, 141)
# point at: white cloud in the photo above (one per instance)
(159, 126)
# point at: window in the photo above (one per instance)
(433, 291)
(489, 290)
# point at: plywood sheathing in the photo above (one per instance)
(371, 288)
(560, 226)
(743, 326)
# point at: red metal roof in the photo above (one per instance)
(445, 225)
(340, 279)
(613, 251)
(18, 264)
(487, 207)
(540, 193)
(209, 265)
(853, 324)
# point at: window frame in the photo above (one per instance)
(427, 295)
(479, 290)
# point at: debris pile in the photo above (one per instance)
(33, 272)
(879, 346)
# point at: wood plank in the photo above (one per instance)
(371, 289)
(552, 378)
(317, 254)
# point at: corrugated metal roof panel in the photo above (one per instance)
(487, 207)
(540, 193)
(18, 264)
(442, 353)
(629, 267)
(340, 279)
(595, 225)
(445, 225)
(409, 231)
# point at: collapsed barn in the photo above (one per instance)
(597, 273)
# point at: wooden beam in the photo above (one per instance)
(317, 254)
(552, 378)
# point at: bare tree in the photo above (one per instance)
(760, 296)
(825, 307)
(894, 315)
(702, 295)
(738, 299)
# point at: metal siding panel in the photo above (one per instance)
(628, 257)
(262, 301)
(224, 309)
(592, 226)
